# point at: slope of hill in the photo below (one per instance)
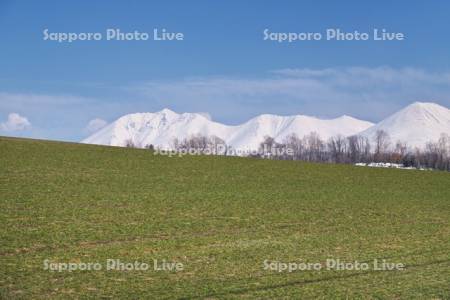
(222, 218)
(414, 125)
(160, 128)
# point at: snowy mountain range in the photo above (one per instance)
(160, 129)
(416, 124)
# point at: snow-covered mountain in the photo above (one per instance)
(160, 129)
(415, 125)
(250, 134)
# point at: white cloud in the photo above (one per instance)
(369, 75)
(367, 93)
(95, 125)
(61, 116)
(15, 122)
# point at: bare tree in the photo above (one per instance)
(337, 147)
(217, 145)
(358, 149)
(443, 148)
(130, 144)
(266, 147)
(315, 147)
(399, 152)
(382, 142)
(294, 143)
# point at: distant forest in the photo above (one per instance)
(339, 149)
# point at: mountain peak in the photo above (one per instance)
(425, 106)
(423, 111)
(419, 103)
(415, 125)
(345, 117)
(166, 111)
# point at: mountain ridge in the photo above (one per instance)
(160, 128)
(415, 124)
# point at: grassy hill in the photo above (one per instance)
(221, 217)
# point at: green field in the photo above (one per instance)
(221, 217)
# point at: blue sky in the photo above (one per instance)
(223, 66)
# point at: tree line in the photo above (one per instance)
(359, 149)
(338, 149)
